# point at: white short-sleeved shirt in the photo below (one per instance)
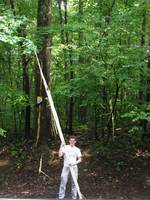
(71, 154)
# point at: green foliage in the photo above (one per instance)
(109, 55)
(14, 98)
(138, 115)
(2, 132)
(13, 44)
(99, 45)
(9, 25)
(9, 29)
(28, 47)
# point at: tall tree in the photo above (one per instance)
(43, 119)
(82, 109)
(142, 90)
(26, 89)
(70, 100)
(64, 40)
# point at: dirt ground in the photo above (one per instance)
(98, 175)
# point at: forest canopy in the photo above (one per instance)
(95, 57)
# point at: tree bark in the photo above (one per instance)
(65, 40)
(142, 92)
(67, 62)
(26, 89)
(71, 101)
(82, 109)
(42, 111)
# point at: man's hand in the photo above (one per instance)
(62, 145)
(72, 164)
(75, 163)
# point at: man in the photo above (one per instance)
(72, 157)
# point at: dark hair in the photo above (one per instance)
(72, 137)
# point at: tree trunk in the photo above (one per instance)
(80, 34)
(71, 101)
(105, 124)
(96, 119)
(26, 89)
(63, 17)
(63, 20)
(69, 76)
(82, 109)
(148, 83)
(147, 96)
(142, 92)
(43, 119)
(111, 119)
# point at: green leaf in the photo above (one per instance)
(2, 132)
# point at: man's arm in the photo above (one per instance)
(61, 152)
(77, 162)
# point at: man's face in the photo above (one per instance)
(72, 141)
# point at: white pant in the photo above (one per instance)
(64, 180)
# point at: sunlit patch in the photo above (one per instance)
(93, 174)
(147, 182)
(145, 154)
(53, 158)
(53, 162)
(25, 192)
(4, 163)
(87, 153)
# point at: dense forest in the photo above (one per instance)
(95, 56)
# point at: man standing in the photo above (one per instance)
(72, 157)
